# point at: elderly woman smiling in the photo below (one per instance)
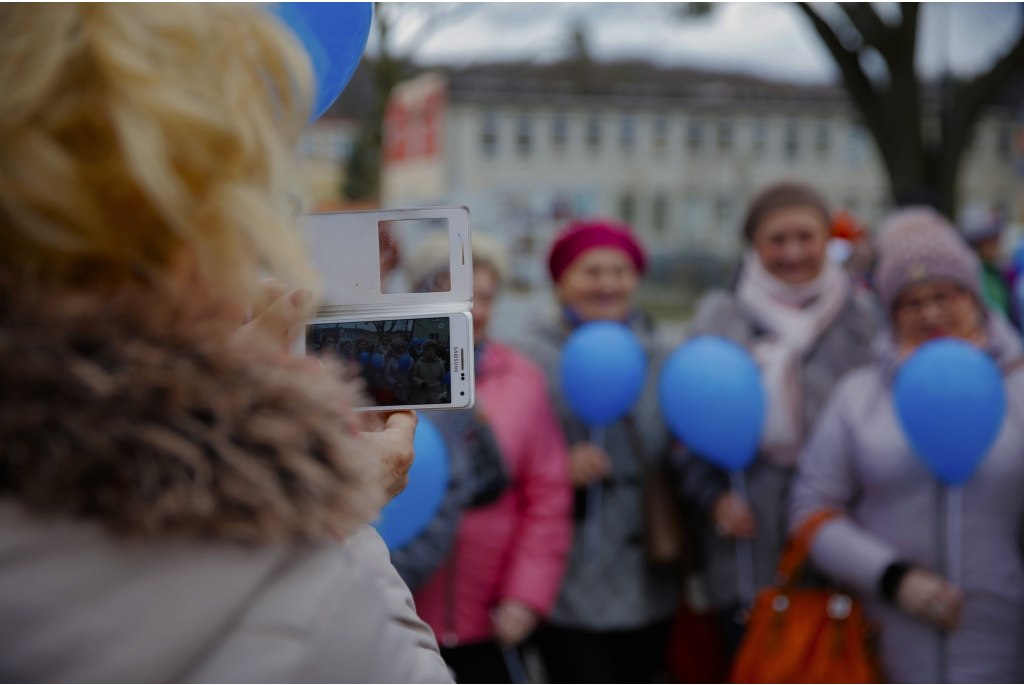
(805, 326)
(859, 462)
(611, 620)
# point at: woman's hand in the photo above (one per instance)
(389, 436)
(926, 596)
(513, 621)
(732, 517)
(587, 463)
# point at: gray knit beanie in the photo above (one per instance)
(918, 245)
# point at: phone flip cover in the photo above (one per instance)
(345, 249)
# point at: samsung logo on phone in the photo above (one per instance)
(455, 360)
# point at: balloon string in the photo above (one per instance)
(954, 519)
(942, 539)
(592, 524)
(744, 550)
(516, 672)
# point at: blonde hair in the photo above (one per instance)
(132, 132)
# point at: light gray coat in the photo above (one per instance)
(78, 605)
(859, 460)
(845, 344)
(620, 592)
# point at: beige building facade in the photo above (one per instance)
(676, 153)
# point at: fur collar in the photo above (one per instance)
(138, 414)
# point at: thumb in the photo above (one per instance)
(402, 422)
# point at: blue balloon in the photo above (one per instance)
(364, 357)
(713, 400)
(405, 362)
(951, 402)
(376, 361)
(408, 514)
(447, 379)
(416, 342)
(602, 369)
(334, 34)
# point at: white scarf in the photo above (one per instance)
(795, 316)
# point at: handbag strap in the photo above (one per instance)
(798, 546)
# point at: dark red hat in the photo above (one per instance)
(585, 234)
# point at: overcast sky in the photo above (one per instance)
(765, 39)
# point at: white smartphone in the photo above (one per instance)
(378, 293)
(413, 362)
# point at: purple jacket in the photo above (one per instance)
(858, 460)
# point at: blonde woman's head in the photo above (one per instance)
(138, 137)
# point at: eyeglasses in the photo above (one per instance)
(942, 299)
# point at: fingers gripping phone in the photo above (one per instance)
(398, 290)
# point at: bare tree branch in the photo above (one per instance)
(870, 26)
(857, 82)
(961, 110)
(968, 98)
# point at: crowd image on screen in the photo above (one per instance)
(401, 362)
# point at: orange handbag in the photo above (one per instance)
(806, 635)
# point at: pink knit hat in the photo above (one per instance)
(918, 245)
(585, 234)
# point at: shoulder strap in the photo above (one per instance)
(794, 556)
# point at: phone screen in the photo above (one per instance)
(401, 361)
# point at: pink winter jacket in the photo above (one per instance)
(517, 547)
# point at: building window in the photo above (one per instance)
(725, 136)
(627, 208)
(659, 213)
(660, 135)
(759, 138)
(821, 140)
(1004, 143)
(694, 135)
(524, 137)
(559, 131)
(791, 145)
(693, 216)
(856, 141)
(723, 211)
(594, 132)
(489, 134)
(627, 132)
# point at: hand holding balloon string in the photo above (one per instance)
(929, 597)
(513, 621)
(713, 400)
(733, 517)
(951, 403)
(588, 463)
(602, 372)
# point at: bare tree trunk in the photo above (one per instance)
(893, 109)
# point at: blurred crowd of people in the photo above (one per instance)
(398, 370)
(828, 309)
(182, 500)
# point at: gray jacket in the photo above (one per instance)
(620, 592)
(859, 460)
(845, 344)
(78, 605)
